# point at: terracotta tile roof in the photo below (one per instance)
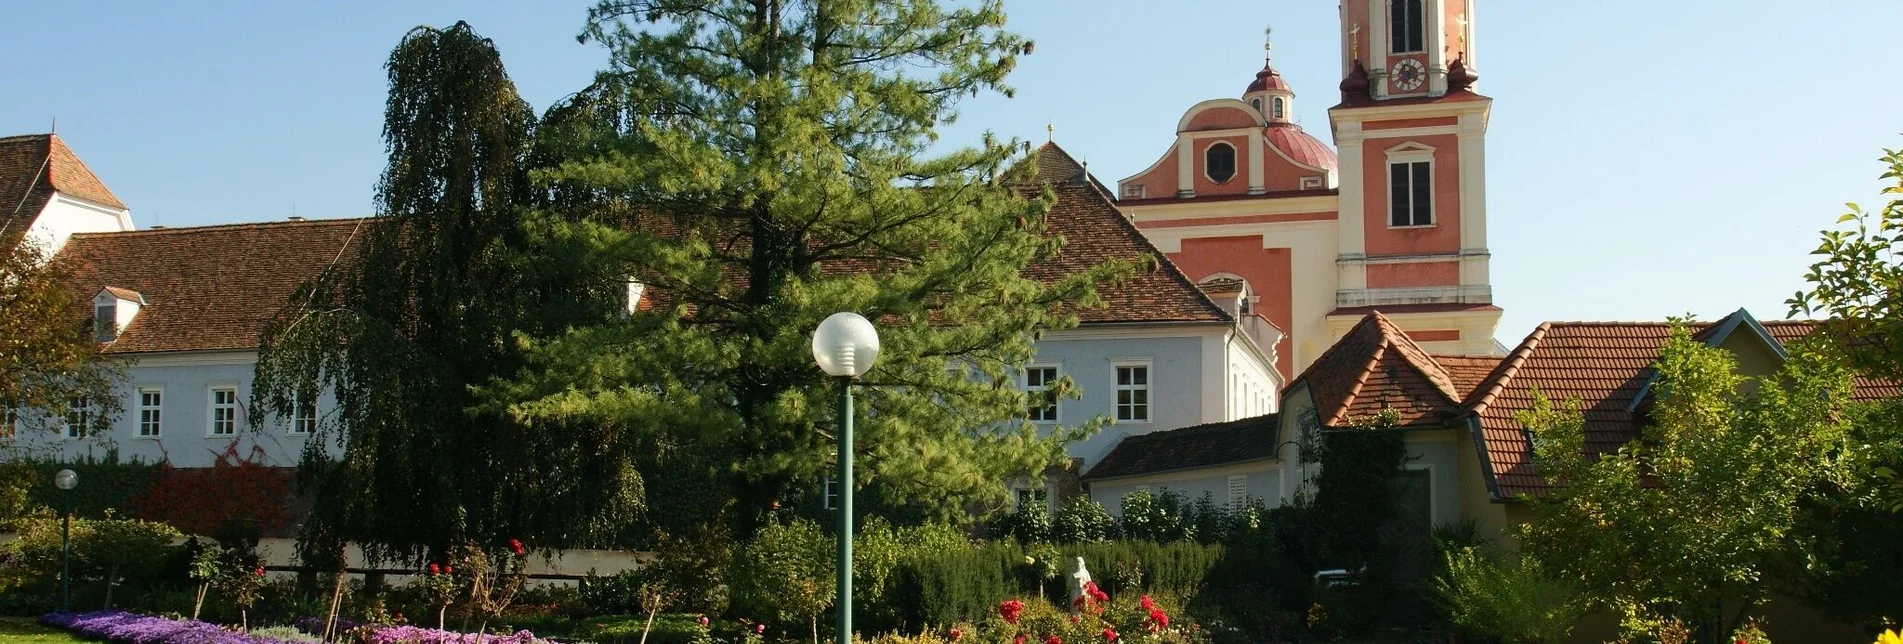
(1300, 146)
(32, 168)
(1094, 231)
(1222, 285)
(125, 294)
(206, 288)
(1602, 364)
(1373, 367)
(1468, 372)
(1192, 447)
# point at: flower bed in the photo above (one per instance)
(416, 635)
(128, 628)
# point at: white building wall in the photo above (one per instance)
(64, 216)
(1263, 483)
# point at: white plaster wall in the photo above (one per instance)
(64, 216)
(185, 423)
(1263, 484)
(1176, 383)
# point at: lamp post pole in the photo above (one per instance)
(65, 480)
(844, 482)
(845, 346)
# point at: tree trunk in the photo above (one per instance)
(112, 576)
(813, 620)
(648, 627)
(198, 600)
(482, 628)
(244, 619)
(336, 597)
(439, 615)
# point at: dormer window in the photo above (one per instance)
(1219, 162)
(113, 309)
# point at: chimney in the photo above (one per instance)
(155, 227)
(296, 218)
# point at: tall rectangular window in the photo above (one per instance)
(1133, 393)
(832, 493)
(304, 415)
(1407, 26)
(1038, 382)
(79, 417)
(1238, 491)
(1410, 194)
(224, 411)
(151, 411)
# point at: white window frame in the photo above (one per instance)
(296, 425)
(1118, 387)
(1024, 383)
(1235, 154)
(212, 408)
(82, 407)
(1278, 108)
(141, 421)
(1411, 153)
(829, 493)
(1237, 497)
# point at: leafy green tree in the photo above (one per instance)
(1856, 284)
(1697, 520)
(49, 358)
(786, 572)
(423, 309)
(126, 549)
(757, 165)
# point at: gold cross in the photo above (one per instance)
(1462, 21)
(1354, 47)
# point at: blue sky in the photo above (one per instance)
(1645, 159)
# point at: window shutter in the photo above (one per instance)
(1238, 491)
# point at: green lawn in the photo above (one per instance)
(22, 630)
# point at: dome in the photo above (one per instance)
(1298, 145)
(1267, 80)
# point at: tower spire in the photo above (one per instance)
(1268, 43)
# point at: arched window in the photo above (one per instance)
(1279, 107)
(1407, 26)
(1257, 103)
(1219, 162)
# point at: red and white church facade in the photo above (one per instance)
(1393, 219)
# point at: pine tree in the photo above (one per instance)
(421, 310)
(757, 165)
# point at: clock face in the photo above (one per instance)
(1408, 75)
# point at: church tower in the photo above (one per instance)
(1244, 200)
(1411, 135)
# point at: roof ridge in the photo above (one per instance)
(1410, 350)
(1496, 381)
(218, 227)
(12, 137)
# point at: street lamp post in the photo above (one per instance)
(845, 345)
(65, 480)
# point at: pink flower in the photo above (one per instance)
(759, 629)
(703, 621)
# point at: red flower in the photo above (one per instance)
(1010, 609)
(1109, 635)
(1079, 601)
(1160, 618)
(260, 571)
(1147, 603)
(399, 617)
(434, 569)
(957, 634)
(1100, 595)
(703, 621)
(447, 570)
(1019, 639)
(1053, 640)
(516, 545)
(1074, 618)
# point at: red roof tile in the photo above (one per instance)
(1376, 367)
(205, 288)
(32, 168)
(1602, 364)
(1299, 145)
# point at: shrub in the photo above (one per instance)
(786, 572)
(951, 586)
(1083, 521)
(695, 565)
(1160, 518)
(1515, 602)
(1029, 523)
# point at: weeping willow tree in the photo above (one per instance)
(419, 310)
(757, 165)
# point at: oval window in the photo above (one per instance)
(1219, 162)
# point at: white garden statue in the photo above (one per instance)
(1079, 579)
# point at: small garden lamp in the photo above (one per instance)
(65, 480)
(845, 345)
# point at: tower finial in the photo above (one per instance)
(1050, 132)
(1268, 42)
